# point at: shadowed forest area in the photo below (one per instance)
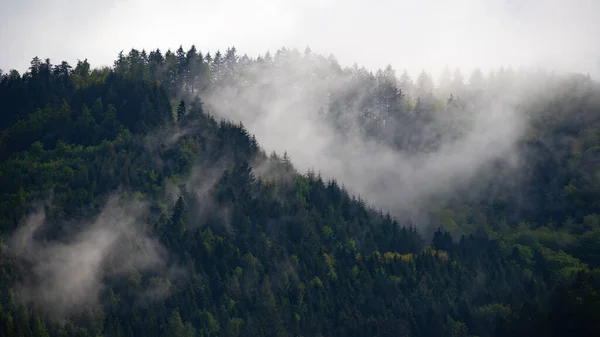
(191, 194)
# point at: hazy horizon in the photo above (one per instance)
(431, 34)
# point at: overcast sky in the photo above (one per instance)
(430, 34)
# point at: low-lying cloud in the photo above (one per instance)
(286, 106)
(65, 277)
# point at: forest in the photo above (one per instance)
(186, 194)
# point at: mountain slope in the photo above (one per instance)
(126, 211)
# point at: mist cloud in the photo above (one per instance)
(286, 106)
(65, 277)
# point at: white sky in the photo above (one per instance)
(414, 34)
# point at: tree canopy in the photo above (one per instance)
(235, 242)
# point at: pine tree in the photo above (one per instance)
(180, 110)
(179, 218)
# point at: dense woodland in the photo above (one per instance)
(264, 250)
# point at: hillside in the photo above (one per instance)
(136, 202)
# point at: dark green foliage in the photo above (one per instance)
(281, 253)
(180, 110)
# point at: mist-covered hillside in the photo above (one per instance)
(190, 193)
